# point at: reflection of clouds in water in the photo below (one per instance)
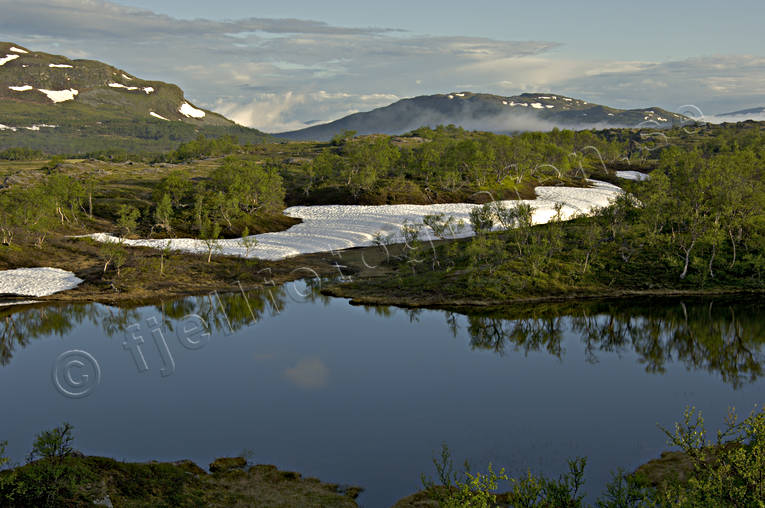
(308, 374)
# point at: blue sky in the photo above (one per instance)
(276, 65)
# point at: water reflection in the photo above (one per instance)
(720, 336)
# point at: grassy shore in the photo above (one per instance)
(230, 482)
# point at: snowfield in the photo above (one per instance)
(120, 85)
(60, 66)
(23, 88)
(188, 110)
(18, 50)
(37, 281)
(60, 95)
(8, 58)
(336, 227)
(157, 115)
(632, 175)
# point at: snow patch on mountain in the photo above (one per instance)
(157, 115)
(60, 66)
(188, 110)
(60, 95)
(120, 85)
(8, 58)
(22, 88)
(18, 50)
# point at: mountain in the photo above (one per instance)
(528, 111)
(53, 103)
(745, 113)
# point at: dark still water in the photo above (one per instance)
(366, 396)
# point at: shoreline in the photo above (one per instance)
(360, 297)
(363, 264)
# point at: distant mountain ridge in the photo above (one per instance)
(41, 93)
(745, 112)
(528, 111)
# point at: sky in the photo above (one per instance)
(283, 65)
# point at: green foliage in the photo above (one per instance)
(203, 147)
(54, 162)
(339, 139)
(482, 219)
(627, 491)
(682, 229)
(248, 242)
(21, 154)
(209, 233)
(442, 226)
(48, 480)
(249, 186)
(127, 220)
(53, 444)
(728, 472)
(163, 213)
(176, 185)
(113, 253)
(477, 492)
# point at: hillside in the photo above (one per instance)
(529, 111)
(58, 105)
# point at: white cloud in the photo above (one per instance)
(713, 83)
(309, 374)
(291, 110)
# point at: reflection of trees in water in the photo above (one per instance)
(723, 337)
(222, 313)
(19, 326)
(718, 336)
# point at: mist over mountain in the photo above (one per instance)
(478, 111)
(742, 115)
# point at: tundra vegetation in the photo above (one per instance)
(698, 223)
(682, 229)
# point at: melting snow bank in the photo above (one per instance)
(188, 110)
(37, 281)
(632, 175)
(60, 95)
(335, 227)
(7, 58)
